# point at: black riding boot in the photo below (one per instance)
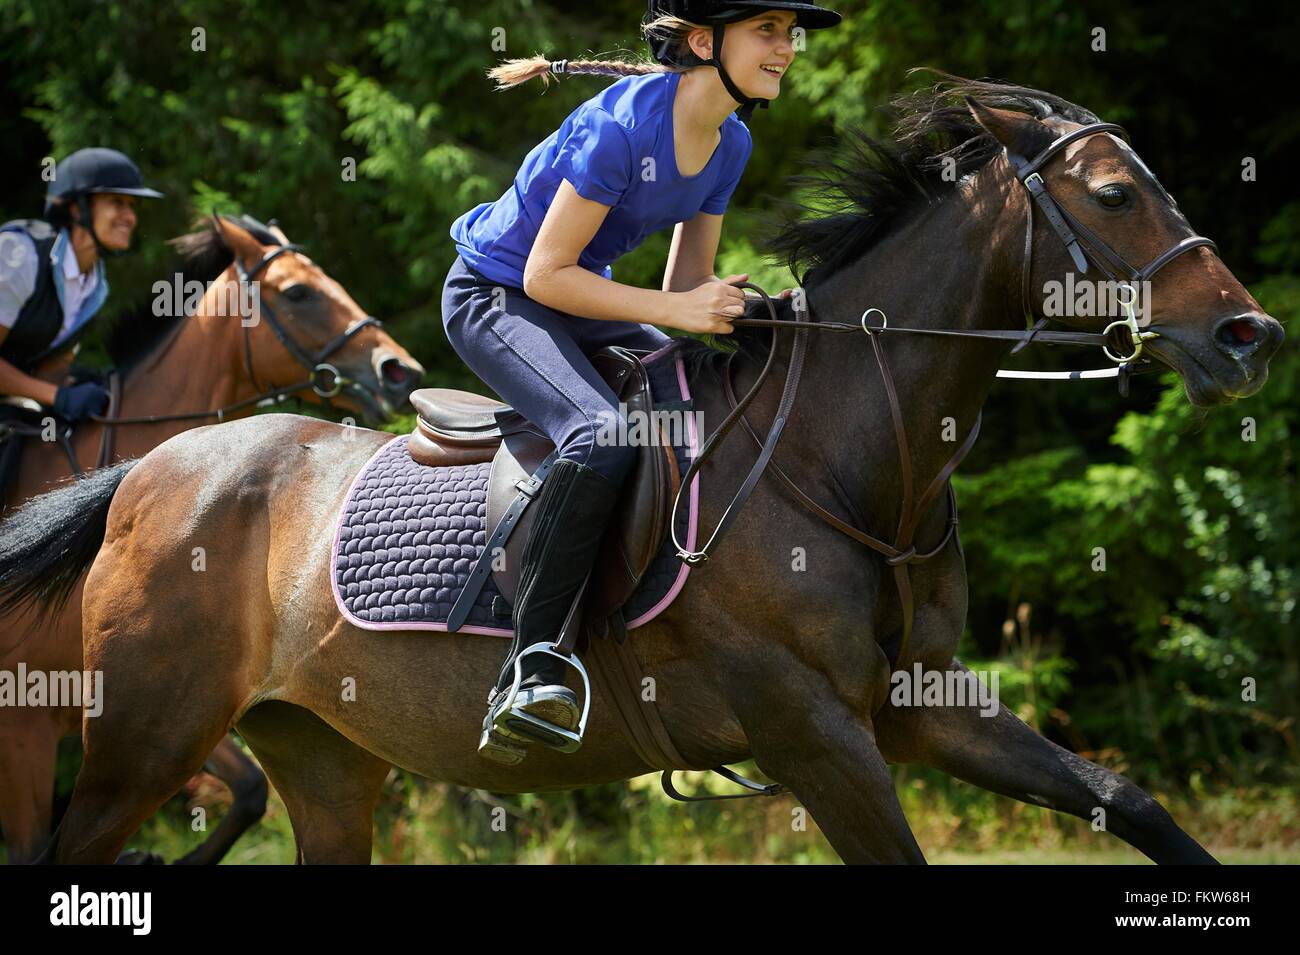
(572, 512)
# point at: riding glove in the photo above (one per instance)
(80, 401)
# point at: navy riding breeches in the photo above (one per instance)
(535, 358)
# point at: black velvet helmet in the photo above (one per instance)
(98, 170)
(95, 170)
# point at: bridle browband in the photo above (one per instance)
(1084, 248)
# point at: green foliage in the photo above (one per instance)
(1197, 524)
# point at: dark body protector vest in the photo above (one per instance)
(41, 318)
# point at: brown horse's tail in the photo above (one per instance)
(50, 541)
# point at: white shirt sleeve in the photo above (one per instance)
(17, 274)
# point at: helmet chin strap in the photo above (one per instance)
(747, 102)
(87, 222)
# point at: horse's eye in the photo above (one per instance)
(297, 293)
(1112, 197)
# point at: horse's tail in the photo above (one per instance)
(48, 542)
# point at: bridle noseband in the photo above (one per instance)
(1084, 247)
(326, 380)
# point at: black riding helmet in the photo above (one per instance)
(95, 170)
(718, 13)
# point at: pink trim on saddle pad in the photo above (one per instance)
(649, 615)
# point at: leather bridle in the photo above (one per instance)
(325, 387)
(325, 379)
(1084, 247)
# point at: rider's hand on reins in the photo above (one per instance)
(711, 307)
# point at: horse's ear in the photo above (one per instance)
(273, 227)
(1020, 133)
(237, 239)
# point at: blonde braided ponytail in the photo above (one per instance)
(510, 73)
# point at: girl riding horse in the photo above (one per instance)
(531, 294)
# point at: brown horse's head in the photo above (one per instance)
(306, 327)
(1210, 329)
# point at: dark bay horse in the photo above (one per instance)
(757, 657)
(181, 368)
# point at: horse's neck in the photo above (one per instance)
(199, 368)
(948, 268)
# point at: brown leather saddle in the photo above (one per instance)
(460, 427)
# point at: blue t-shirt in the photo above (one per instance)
(617, 149)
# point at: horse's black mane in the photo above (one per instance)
(202, 256)
(856, 193)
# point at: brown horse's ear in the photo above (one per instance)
(273, 227)
(214, 218)
(1020, 133)
(237, 239)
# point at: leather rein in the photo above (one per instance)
(1083, 246)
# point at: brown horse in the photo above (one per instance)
(756, 658)
(180, 369)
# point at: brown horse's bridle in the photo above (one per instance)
(1092, 248)
(324, 379)
(1082, 244)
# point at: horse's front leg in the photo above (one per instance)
(824, 752)
(1003, 755)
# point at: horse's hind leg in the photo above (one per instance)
(329, 784)
(29, 743)
(134, 761)
(165, 700)
(248, 787)
(1003, 755)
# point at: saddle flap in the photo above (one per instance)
(517, 456)
(641, 518)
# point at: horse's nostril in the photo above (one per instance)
(1242, 334)
(1242, 331)
(394, 372)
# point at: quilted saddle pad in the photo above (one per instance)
(408, 535)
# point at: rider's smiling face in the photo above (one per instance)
(114, 219)
(113, 216)
(756, 52)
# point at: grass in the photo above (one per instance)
(423, 822)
